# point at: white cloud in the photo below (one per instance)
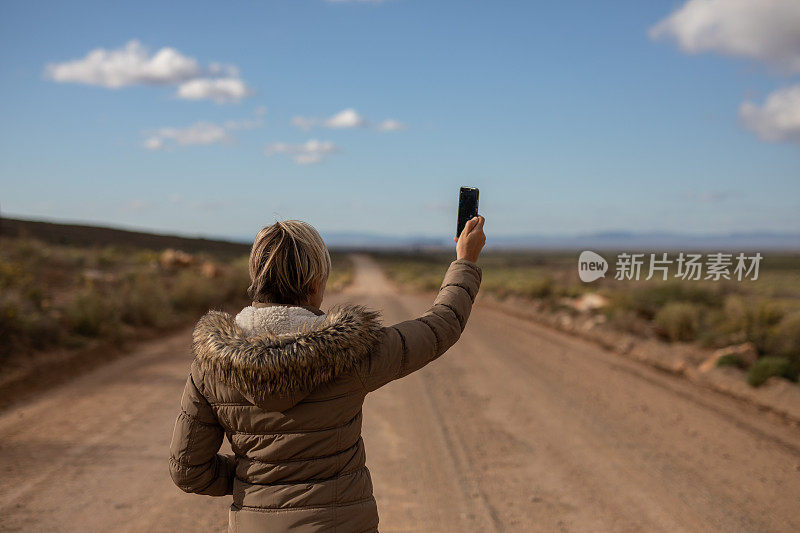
(347, 118)
(766, 30)
(134, 65)
(154, 143)
(304, 123)
(200, 133)
(778, 120)
(310, 152)
(220, 90)
(130, 65)
(390, 125)
(225, 71)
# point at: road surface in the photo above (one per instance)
(517, 428)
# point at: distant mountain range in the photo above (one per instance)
(237, 244)
(618, 240)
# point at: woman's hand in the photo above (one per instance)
(470, 243)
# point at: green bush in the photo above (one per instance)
(11, 323)
(49, 297)
(731, 360)
(539, 287)
(91, 313)
(784, 338)
(143, 301)
(766, 367)
(761, 320)
(735, 314)
(649, 300)
(193, 292)
(23, 325)
(628, 321)
(678, 321)
(10, 274)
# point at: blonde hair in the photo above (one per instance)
(287, 259)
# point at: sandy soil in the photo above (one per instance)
(517, 428)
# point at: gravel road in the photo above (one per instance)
(517, 428)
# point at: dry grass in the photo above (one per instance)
(765, 312)
(58, 295)
(341, 272)
(55, 295)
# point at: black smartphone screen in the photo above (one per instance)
(467, 207)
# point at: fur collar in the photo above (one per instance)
(287, 364)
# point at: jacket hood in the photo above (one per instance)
(277, 371)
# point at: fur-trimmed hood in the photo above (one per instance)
(272, 369)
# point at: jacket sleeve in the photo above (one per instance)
(410, 345)
(194, 464)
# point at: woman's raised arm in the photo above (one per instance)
(412, 344)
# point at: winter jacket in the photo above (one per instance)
(288, 393)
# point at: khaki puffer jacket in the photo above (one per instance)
(290, 405)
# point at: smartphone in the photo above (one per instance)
(467, 207)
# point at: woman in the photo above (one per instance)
(285, 382)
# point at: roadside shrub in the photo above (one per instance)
(678, 321)
(732, 360)
(539, 287)
(735, 314)
(766, 367)
(10, 274)
(784, 339)
(628, 321)
(109, 256)
(649, 300)
(11, 326)
(421, 276)
(23, 325)
(91, 313)
(66, 295)
(143, 301)
(193, 292)
(518, 282)
(761, 320)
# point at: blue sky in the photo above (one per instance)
(570, 117)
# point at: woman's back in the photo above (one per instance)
(295, 432)
(290, 405)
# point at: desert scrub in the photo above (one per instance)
(767, 367)
(59, 295)
(193, 292)
(783, 339)
(678, 321)
(143, 301)
(24, 325)
(648, 300)
(419, 276)
(765, 312)
(525, 282)
(761, 320)
(91, 313)
(341, 272)
(732, 359)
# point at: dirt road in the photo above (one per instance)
(517, 428)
